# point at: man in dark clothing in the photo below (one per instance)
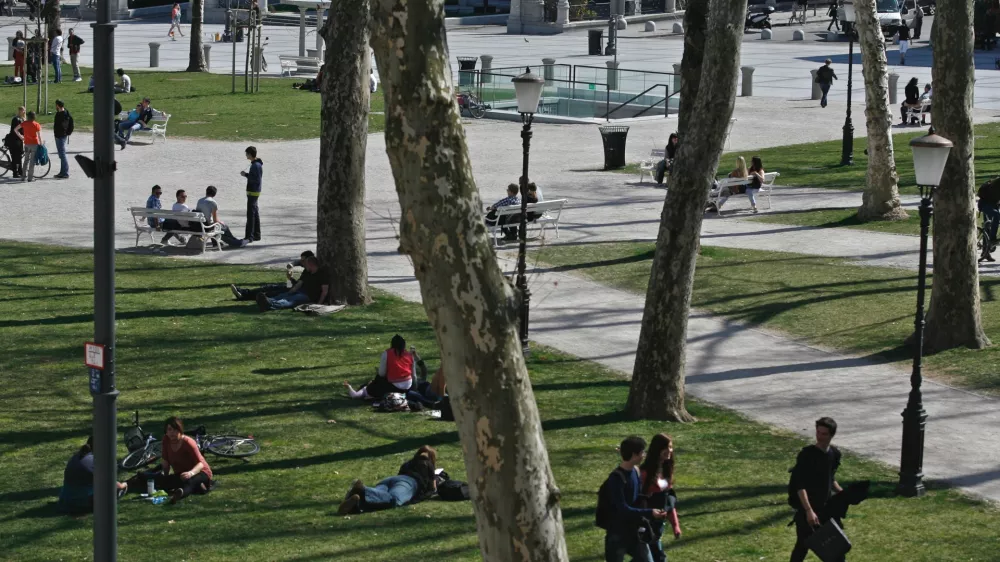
(825, 77)
(254, 179)
(62, 129)
(74, 54)
(814, 481)
(312, 287)
(989, 205)
(918, 21)
(623, 488)
(272, 289)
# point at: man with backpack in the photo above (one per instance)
(825, 77)
(618, 510)
(812, 483)
(62, 129)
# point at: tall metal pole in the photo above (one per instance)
(847, 152)
(105, 407)
(911, 465)
(522, 281)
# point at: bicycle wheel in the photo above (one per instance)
(42, 170)
(232, 446)
(476, 108)
(142, 457)
(5, 161)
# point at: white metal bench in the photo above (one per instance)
(729, 131)
(547, 214)
(918, 112)
(715, 192)
(194, 219)
(648, 166)
(157, 126)
(299, 65)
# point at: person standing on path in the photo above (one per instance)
(904, 42)
(834, 18)
(62, 129)
(55, 54)
(175, 21)
(622, 489)
(825, 77)
(30, 133)
(254, 177)
(813, 481)
(20, 48)
(918, 21)
(16, 145)
(74, 54)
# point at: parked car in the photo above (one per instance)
(890, 17)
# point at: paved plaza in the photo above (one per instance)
(766, 376)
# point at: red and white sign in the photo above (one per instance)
(93, 355)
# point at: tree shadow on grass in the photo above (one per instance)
(617, 383)
(132, 315)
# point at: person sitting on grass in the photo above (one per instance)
(426, 393)
(272, 290)
(125, 86)
(415, 482)
(208, 207)
(180, 453)
(396, 369)
(657, 476)
(312, 287)
(77, 493)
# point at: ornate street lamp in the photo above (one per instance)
(930, 152)
(528, 89)
(847, 148)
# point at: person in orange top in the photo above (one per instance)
(395, 373)
(656, 475)
(192, 475)
(30, 132)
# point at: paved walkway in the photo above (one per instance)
(766, 376)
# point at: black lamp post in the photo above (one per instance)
(528, 89)
(930, 153)
(847, 148)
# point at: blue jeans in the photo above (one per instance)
(125, 128)
(992, 213)
(57, 63)
(616, 546)
(395, 491)
(61, 143)
(826, 89)
(289, 300)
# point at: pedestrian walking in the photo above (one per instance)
(55, 54)
(254, 178)
(834, 18)
(20, 49)
(175, 21)
(62, 128)
(812, 483)
(15, 145)
(30, 133)
(918, 21)
(74, 54)
(904, 43)
(825, 77)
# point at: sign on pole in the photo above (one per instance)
(93, 355)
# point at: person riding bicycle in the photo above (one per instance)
(989, 205)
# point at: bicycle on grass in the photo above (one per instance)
(145, 449)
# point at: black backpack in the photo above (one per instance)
(605, 513)
(69, 124)
(453, 491)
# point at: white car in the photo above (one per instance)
(889, 17)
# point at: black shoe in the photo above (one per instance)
(263, 304)
(986, 257)
(237, 292)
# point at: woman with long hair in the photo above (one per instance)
(396, 369)
(415, 482)
(740, 172)
(180, 453)
(77, 493)
(656, 474)
(669, 153)
(756, 172)
(175, 21)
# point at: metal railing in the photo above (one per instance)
(665, 101)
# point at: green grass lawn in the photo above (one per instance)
(843, 218)
(813, 299)
(185, 348)
(200, 104)
(817, 164)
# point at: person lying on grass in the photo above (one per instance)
(415, 482)
(272, 290)
(77, 493)
(395, 373)
(180, 453)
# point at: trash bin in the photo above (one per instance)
(596, 37)
(466, 70)
(614, 145)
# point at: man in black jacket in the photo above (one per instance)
(989, 205)
(254, 176)
(825, 77)
(813, 482)
(61, 130)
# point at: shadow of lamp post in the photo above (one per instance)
(930, 152)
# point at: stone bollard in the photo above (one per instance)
(487, 61)
(678, 28)
(548, 71)
(154, 55)
(677, 76)
(670, 7)
(765, 34)
(612, 75)
(650, 26)
(747, 90)
(798, 35)
(208, 59)
(10, 48)
(817, 93)
(893, 87)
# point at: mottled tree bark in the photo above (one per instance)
(52, 14)
(340, 220)
(710, 73)
(196, 58)
(880, 200)
(953, 319)
(472, 309)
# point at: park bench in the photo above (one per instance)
(299, 65)
(918, 112)
(546, 214)
(715, 192)
(157, 126)
(194, 219)
(648, 166)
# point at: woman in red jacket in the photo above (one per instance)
(657, 477)
(395, 373)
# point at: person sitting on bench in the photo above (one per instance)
(173, 224)
(272, 290)
(312, 287)
(396, 370)
(208, 207)
(509, 233)
(669, 152)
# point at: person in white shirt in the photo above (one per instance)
(208, 207)
(172, 224)
(55, 54)
(925, 102)
(126, 85)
